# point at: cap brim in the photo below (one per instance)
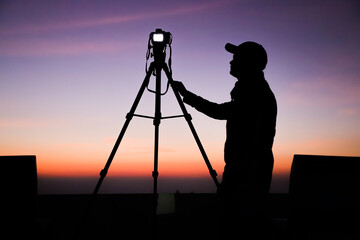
(231, 48)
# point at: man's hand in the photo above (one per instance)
(179, 86)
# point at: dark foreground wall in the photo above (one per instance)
(18, 181)
(325, 195)
(129, 216)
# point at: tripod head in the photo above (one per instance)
(157, 45)
(159, 40)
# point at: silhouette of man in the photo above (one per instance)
(250, 130)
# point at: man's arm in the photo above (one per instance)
(214, 110)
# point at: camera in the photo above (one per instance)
(160, 37)
(158, 43)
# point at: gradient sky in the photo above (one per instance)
(70, 71)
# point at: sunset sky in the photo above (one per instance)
(70, 71)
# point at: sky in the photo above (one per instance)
(70, 71)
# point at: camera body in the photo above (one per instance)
(157, 45)
(160, 37)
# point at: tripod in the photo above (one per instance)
(156, 66)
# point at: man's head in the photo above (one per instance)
(249, 57)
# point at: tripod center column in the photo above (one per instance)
(157, 120)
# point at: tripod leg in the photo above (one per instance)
(123, 130)
(157, 120)
(212, 172)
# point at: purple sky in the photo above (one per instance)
(70, 70)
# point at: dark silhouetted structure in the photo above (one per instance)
(18, 194)
(250, 130)
(325, 197)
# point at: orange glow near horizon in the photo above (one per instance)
(135, 157)
(191, 167)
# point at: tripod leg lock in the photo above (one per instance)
(103, 173)
(213, 173)
(188, 117)
(155, 174)
(129, 116)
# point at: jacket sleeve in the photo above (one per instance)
(213, 110)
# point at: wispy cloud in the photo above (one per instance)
(19, 124)
(348, 112)
(325, 90)
(102, 21)
(23, 39)
(59, 47)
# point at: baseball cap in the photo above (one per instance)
(251, 53)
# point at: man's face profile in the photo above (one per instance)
(237, 65)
